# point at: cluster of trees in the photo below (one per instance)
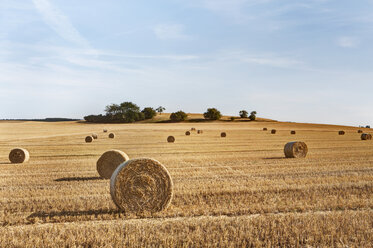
(128, 112)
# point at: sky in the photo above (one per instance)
(290, 60)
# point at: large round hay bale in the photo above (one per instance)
(341, 132)
(19, 155)
(193, 129)
(223, 134)
(366, 136)
(111, 135)
(359, 131)
(94, 136)
(105, 130)
(170, 139)
(141, 185)
(293, 132)
(273, 131)
(109, 161)
(295, 149)
(187, 133)
(88, 139)
(265, 129)
(200, 131)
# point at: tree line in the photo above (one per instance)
(128, 112)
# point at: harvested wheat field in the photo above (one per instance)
(237, 191)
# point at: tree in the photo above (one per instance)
(160, 109)
(125, 112)
(252, 116)
(212, 114)
(178, 116)
(149, 113)
(243, 114)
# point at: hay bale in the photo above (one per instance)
(200, 131)
(140, 186)
(265, 129)
(109, 161)
(94, 136)
(223, 135)
(187, 133)
(366, 136)
(293, 132)
(192, 129)
(105, 130)
(170, 139)
(19, 155)
(273, 131)
(111, 135)
(295, 149)
(359, 131)
(341, 132)
(88, 139)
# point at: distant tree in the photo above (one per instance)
(368, 126)
(233, 118)
(243, 114)
(125, 112)
(178, 116)
(212, 114)
(160, 109)
(252, 116)
(149, 113)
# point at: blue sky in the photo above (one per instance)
(300, 60)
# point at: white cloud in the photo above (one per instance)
(170, 32)
(59, 22)
(348, 42)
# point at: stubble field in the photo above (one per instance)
(233, 191)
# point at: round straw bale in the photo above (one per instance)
(199, 131)
(341, 132)
(88, 139)
(293, 132)
(111, 135)
(109, 161)
(141, 185)
(273, 131)
(170, 139)
(366, 136)
(359, 131)
(187, 133)
(265, 129)
(295, 149)
(193, 129)
(105, 130)
(223, 135)
(94, 136)
(19, 155)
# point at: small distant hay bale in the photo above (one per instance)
(105, 130)
(170, 139)
(296, 149)
(273, 131)
(341, 132)
(359, 131)
(265, 129)
(200, 131)
(94, 136)
(88, 139)
(293, 132)
(192, 129)
(223, 134)
(19, 155)
(111, 135)
(187, 133)
(141, 186)
(366, 136)
(109, 161)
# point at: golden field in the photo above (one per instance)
(237, 191)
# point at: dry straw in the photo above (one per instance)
(296, 149)
(293, 132)
(366, 136)
(19, 155)
(88, 139)
(141, 185)
(341, 132)
(265, 129)
(170, 139)
(223, 135)
(273, 131)
(187, 133)
(109, 161)
(111, 135)
(94, 136)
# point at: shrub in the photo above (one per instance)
(252, 116)
(178, 116)
(243, 114)
(149, 113)
(212, 114)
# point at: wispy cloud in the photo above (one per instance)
(348, 42)
(170, 32)
(59, 22)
